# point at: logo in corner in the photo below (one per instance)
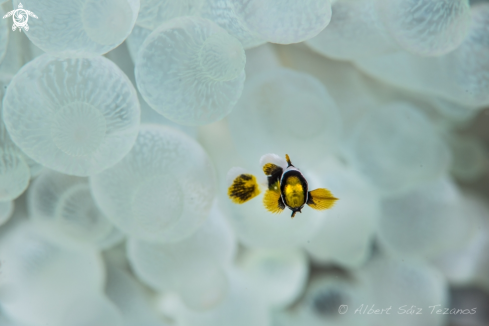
(20, 17)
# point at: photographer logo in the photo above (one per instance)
(20, 17)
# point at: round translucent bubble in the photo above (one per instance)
(41, 278)
(223, 13)
(288, 112)
(468, 264)
(341, 79)
(83, 28)
(130, 298)
(75, 116)
(93, 310)
(162, 190)
(397, 148)
(64, 205)
(284, 22)
(279, 276)
(471, 61)
(217, 141)
(359, 221)
(14, 165)
(241, 307)
(403, 284)
(353, 32)
(425, 221)
(14, 171)
(6, 210)
(193, 267)
(462, 76)
(322, 300)
(191, 71)
(257, 227)
(155, 12)
(13, 159)
(427, 27)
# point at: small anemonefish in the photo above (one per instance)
(287, 187)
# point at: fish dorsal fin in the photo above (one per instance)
(321, 199)
(287, 158)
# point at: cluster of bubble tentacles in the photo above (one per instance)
(123, 120)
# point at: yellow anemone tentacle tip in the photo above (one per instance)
(244, 188)
(321, 199)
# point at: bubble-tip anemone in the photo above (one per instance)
(193, 267)
(427, 27)
(223, 13)
(284, 21)
(162, 190)
(64, 205)
(397, 148)
(154, 12)
(44, 277)
(14, 170)
(191, 71)
(287, 112)
(75, 116)
(84, 28)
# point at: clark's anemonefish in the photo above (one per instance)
(287, 187)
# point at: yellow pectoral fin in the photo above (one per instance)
(272, 201)
(244, 188)
(321, 199)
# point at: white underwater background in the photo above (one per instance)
(121, 119)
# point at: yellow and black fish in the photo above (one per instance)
(287, 187)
